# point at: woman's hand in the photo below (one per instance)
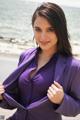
(1, 91)
(55, 93)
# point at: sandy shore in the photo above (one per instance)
(6, 113)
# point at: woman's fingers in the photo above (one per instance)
(2, 90)
(55, 93)
(57, 85)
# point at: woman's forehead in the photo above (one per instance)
(41, 21)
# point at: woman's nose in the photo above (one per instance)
(43, 36)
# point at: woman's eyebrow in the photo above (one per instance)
(47, 27)
(36, 27)
(51, 27)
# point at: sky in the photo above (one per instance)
(75, 3)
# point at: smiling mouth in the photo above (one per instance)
(44, 42)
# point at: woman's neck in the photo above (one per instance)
(48, 53)
(43, 57)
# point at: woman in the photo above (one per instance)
(46, 83)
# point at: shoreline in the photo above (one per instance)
(75, 51)
(11, 46)
(14, 46)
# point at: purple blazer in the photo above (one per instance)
(67, 73)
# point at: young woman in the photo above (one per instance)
(46, 83)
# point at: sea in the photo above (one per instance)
(15, 21)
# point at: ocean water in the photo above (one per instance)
(15, 20)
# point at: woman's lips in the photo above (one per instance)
(44, 42)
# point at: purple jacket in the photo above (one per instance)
(67, 73)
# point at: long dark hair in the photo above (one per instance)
(56, 17)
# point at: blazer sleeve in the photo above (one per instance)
(70, 105)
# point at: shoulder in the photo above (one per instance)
(73, 63)
(69, 62)
(26, 54)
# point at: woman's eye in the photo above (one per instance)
(37, 30)
(51, 30)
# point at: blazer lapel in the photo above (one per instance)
(61, 63)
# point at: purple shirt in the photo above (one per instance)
(35, 88)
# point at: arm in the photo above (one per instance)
(70, 105)
(3, 102)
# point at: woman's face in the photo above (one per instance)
(44, 34)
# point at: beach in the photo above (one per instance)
(16, 34)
